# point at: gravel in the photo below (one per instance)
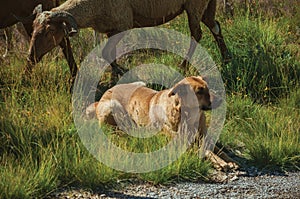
(238, 185)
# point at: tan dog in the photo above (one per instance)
(167, 109)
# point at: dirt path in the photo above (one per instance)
(262, 186)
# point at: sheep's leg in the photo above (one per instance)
(109, 52)
(8, 38)
(29, 29)
(209, 20)
(30, 64)
(67, 50)
(98, 37)
(216, 31)
(196, 33)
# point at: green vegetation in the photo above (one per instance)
(41, 151)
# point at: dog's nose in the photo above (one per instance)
(206, 107)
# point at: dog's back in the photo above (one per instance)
(138, 105)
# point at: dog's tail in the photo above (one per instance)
(90, 111)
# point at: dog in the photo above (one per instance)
(172, 110)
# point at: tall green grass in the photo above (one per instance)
(262, 83)
(264, 65)
(41, 151)
(268, 135)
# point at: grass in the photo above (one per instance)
(269, 135)
(264, 66)
(41, 151)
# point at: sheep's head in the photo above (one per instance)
(49, 29)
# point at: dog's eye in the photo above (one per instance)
(201, 90)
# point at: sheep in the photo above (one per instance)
(115, 16)
(14, 11)
(8, 33)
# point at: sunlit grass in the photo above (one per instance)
(270, 136)
(41, 151)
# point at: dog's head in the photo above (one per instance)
(195, 88)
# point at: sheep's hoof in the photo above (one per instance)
(118, 70)
(227, 58)
(184, 64)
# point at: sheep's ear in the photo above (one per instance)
(180, 89)
(38, 9)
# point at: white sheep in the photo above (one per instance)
(115, 16)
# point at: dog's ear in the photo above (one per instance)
(180, 89)
(205, 78)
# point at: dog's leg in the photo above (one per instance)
(218, 163)
(104, 112)
(219, 158)
(231, 163)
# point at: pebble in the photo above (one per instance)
(251, 186)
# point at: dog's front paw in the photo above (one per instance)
(233, 166)
(220, 164)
